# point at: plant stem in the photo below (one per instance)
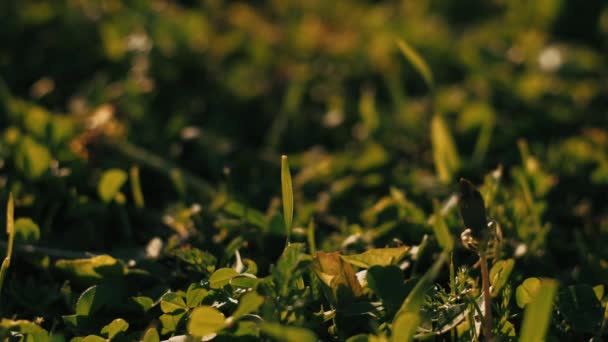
(10, 230)
(155, 162)
(487, 300)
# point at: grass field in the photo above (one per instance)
(350, 170)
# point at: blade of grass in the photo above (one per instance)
(138, 195)
(312, 245)
(417, 62)
(10, 230)
(445, 154)
(440, 229)
(155, 162)
(538, 313)
(287, 190)
(407, 318)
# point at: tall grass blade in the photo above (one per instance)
(287, 190)
(407, 318)
(10, 230)
(417, 62)
(138, 195)
(538, 313)
(445, 154)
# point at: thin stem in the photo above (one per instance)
(454, 334)
(10, 230)
(51, 252)
(487, 300)
(155, 162)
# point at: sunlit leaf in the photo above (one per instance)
(111, 182)
(32, 159)
(222, 277)
(195, 295)
(417, 62)
(10, 230)
(92, 269)
(440, 228)
(205, 320)
(499, 274)
(404, 326)
(32, 331)
(26, 230)
(91, 300)
(538, 313)
(115, 327)
(287, 190)
(526, 292)
(377, 257)
(172, 302)
(145, 303)
(151, 335)
(138, 195)
(338, 275)
(445, 154)
(248, 303)
(171, 321)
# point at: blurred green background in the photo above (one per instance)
(223, 88)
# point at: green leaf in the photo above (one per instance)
(92, 299)
(32, 331)
(499, 274)
(339, 276)
(195, 295)
(445, 154)
(289, 262)
(115, 327)
(172, 302)
(581, 308)
(417, 62)
(387, 283)
(407, 318)
(377, 257)
(538, 313)
(94, 338)
(92, 270)
(249, 215)
(283, 333)
(287, 191)
(245, 281)
(138, 195)
(151, 335)
(146, 303)
(440, 228)
(32, 159)
(205, 320)
(26, 230)
(404, 326)
(526, 292)
(599, 291)
(222, 277)
(248, 303)
(111, 182)
(171, 321)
